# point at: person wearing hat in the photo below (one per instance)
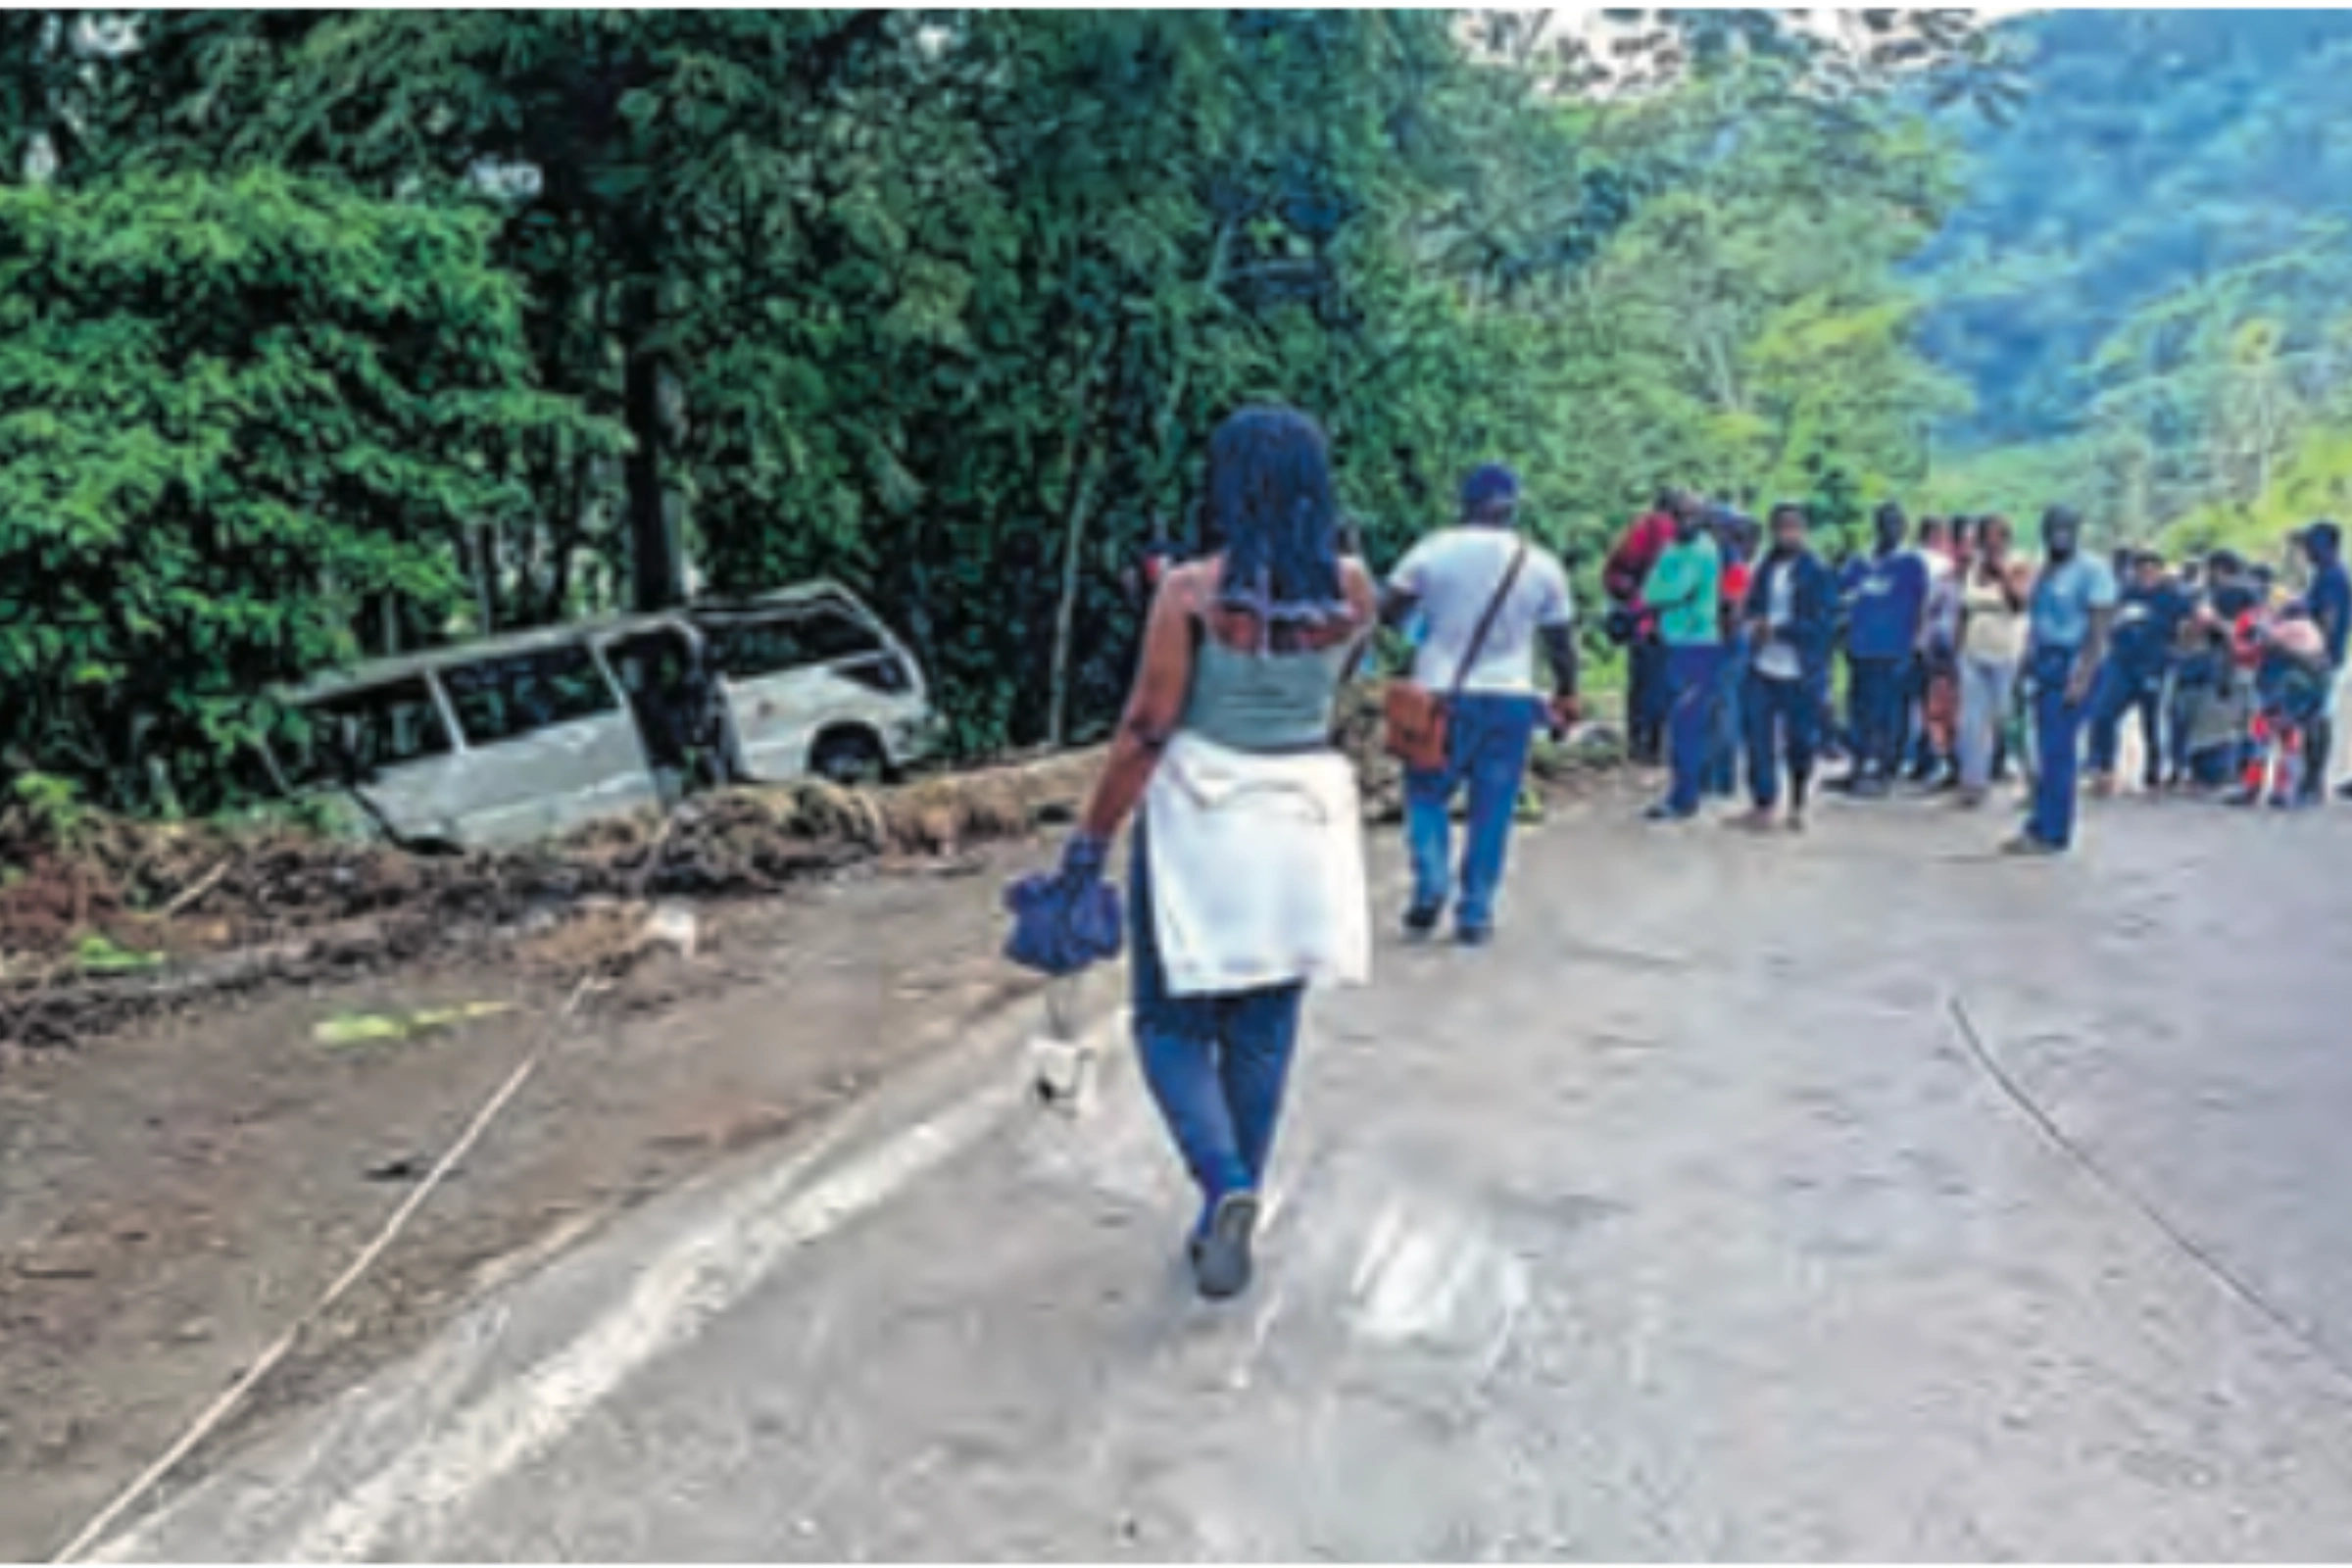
(1486, 594)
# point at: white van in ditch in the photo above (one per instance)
(516, 737)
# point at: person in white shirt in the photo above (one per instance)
(1488, 595)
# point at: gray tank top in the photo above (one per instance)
(1265, 702)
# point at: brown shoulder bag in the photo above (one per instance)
(1415, 718)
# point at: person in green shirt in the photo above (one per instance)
(1684, 588)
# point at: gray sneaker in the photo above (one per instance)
(1221, 1254)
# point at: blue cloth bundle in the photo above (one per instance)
(1068, 919)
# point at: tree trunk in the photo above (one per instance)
(563, 543)
(655, 571)
(485, 576)
(1084, 473)
(1065, 614)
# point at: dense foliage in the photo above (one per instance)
(238, 421)
(2147, 286)
(944, 304)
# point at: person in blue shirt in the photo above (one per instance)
(1885, 600)
(2067, 618)
(2147, 624)
(2328, 599)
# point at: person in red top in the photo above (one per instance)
(1635, 628)
(1735, 583)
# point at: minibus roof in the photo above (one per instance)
(401, 667)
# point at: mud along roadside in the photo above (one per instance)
(174, 1195)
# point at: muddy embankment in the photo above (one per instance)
(104, 920)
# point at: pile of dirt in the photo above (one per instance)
(119, 918)
(47, 900)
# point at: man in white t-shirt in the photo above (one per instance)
(1453, 579)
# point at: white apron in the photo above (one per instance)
(1257, 868)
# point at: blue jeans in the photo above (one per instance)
(1782, 716)
(1487, 736)
(2057, 747)
(1878, 694)
(1216, 1064)
(2119, 691)
(1690, 673)
(1645, 698)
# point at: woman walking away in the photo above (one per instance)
(1993, 643)
(1247, 872)
(1791, 616)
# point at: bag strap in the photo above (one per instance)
(1485, 623)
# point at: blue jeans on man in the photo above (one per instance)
(1691, 681)
(1783, 720)
(1488, 737)
(1880, 715)
(2057, 746)
(1216, 1064)
(2121, 688)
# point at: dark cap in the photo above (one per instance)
(1490, 484)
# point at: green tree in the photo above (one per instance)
(945, 304)
(635, 153)
(243, 418)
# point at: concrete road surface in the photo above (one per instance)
(1683, 1222)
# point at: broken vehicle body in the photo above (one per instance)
(519, 737)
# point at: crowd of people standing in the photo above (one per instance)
(1966, 660)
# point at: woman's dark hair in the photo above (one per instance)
(1270, 506)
